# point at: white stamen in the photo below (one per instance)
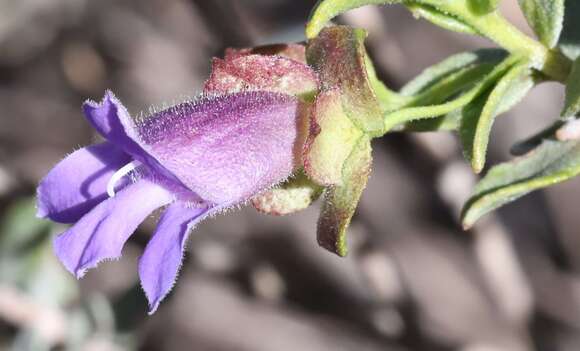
(123, 171)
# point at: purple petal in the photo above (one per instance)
(102, 232)
(161, 261)
(111, 119)
(78, 183)
(228, 148)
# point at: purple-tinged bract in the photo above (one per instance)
(195, 159)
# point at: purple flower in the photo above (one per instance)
(195, 158)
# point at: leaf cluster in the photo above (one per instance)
(464, 94)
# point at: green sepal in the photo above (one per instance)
(478, 117)
(339, 56)
(551, 163)
(331, 139)
(572, 104)
(569, 42)
(294, 195)
(546, 17)
(340, 201)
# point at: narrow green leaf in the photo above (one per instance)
(441, 19)
(546, 18)
(572, 104)
(340, 201)
(325, 10)
(478, 119)
(451, 77)
(432, 10)
(518, 90)
(409, 114)
(452, 85)
(569, 42)
(451, 65)
(551, 163)
(338, 55)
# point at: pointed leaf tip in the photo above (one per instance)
(479, 116)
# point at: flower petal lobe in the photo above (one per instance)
(159, 265)
(100, 234)
(79, 182)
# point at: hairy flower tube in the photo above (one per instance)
(194, 159)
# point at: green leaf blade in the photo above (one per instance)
(551, 163)
(478, 120)
(546, 17)
(415, 113)
(572, 104)
(434, 74)
(441, 19)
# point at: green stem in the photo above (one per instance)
(496, 28)
(422, 112)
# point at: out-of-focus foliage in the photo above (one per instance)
(37, 295)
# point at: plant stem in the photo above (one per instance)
(496, 28)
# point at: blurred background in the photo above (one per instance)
(413, 281)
